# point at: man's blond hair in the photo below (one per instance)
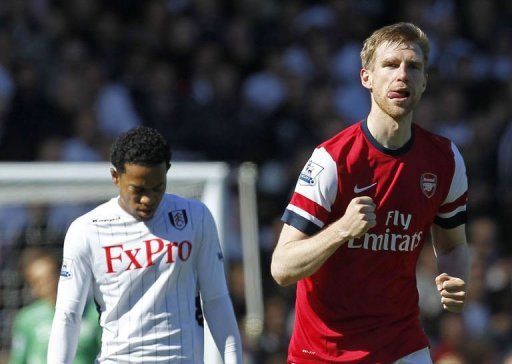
(398, 33)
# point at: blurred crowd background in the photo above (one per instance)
(262, 81)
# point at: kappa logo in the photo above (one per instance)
(428, 184)
(65, 271)
(107, 220)
(178, 219)
(309, 174)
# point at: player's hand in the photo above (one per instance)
(358, 218)
(453, 292)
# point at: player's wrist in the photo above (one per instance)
(343, 234)
(340, 232)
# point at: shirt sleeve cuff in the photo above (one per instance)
(300, 223)
(451, 222)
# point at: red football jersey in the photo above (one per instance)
(361, 306)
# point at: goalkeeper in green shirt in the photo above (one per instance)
(32, 325)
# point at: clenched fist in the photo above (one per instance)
(453, 292)
(358, 218)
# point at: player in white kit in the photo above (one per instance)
(148, 256)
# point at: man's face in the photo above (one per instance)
(42, 279)
(141, 189)
(396, 78)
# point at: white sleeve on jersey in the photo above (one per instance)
(64, 337)
(221, 320)
(210, 264)
(217, 306)
(75, 279)
(315, 193)
(459, 182)
(455, 201)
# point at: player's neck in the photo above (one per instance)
(389, 132)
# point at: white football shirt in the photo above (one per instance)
(145, 276)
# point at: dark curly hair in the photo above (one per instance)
(143, 146)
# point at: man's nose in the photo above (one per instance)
(402, 73)
(146, 199)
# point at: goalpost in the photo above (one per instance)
(49, 183)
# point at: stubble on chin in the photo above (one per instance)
(396, 111)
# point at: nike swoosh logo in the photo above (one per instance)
(359, 190)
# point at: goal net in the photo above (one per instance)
(66, 190)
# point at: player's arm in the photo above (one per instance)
(71, 297)
(217, 307)
(453, 265)
(305, 242)
(220, 316)
(298, 255)
(449, 239)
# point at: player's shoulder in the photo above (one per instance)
(347, 135)
(105, 213)
(178, 203)
(343, 141)
(436, 141)
(183, 211)
(174, 201)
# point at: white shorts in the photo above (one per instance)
(418, 357)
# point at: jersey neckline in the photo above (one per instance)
(392, 152)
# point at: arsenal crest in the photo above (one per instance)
(428, 184)
(178, 219)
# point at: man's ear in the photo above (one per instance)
(366, 78)
(115, 176)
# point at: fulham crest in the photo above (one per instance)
(428, 184)
(178, 219)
